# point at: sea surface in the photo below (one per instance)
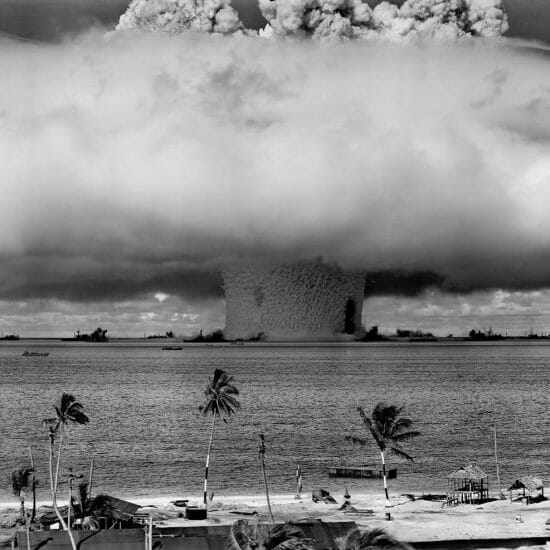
(149, 438)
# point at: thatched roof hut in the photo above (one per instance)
(469, 484)
(527, 483)
(470, 472)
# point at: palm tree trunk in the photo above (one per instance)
(22, 501)
(59, 457)
(69, 532)
(385, 479)
(53, 480)
(33, 516)
(208, 460)
(25, 518)
(496, 460)
(266, 490)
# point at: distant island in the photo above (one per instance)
(167, 334)
(98, 335)
(374, 335)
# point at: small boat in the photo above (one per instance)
(35, 353)
(172, 348)
(360, 471)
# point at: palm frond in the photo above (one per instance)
(285, 537)
(77, 416)
(70, 410)
(407, 436)
(244, 536)
(21, 480)
(401, 424)
(376, 435)
(221, 395)
(66, 401)
(401, 453)
(384, 417)
(237, 538)
(373, 539)
(350, 541)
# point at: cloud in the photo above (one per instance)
(414, 19)
(143, 163)
(514, 313)
(122, 318)
(181, 15)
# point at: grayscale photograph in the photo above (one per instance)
(274, 274)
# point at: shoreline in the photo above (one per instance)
(411, 520)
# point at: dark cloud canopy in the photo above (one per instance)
(141, 163)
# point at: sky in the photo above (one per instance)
(136, 166)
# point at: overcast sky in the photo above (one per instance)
(136, 167)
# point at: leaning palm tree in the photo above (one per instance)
(375, 539)
(21, 481)
(221, 400)
(246, 536)
(68, 411)
(388, 429)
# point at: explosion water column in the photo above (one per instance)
(299, 301)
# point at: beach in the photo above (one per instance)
(412, 521)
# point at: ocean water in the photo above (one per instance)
(149, 438)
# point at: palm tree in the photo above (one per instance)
(388, 429)
(221, 400)
(21, 481)
(375, 539)
(68, 410)
(244, 536)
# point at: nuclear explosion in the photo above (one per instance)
(300, 301)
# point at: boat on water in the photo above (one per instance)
(172, 348)
(366, 471)
(35, 353)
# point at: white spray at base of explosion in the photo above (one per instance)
(300, 301)
(126, 155)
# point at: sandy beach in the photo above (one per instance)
(411, 520)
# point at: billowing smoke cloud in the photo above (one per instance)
(177, 16)
(146, 162)
(415, 19)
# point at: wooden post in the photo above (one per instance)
(146, 533)
(89, 491)
(496, 461)
(33, 516)
(150, 532)
(262, 460)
